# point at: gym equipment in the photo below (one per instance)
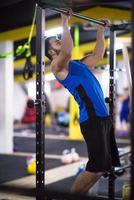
(81, 168)
(69, 156)
(28, 69)
(126, 191)
(75, 155)
(66, 157)
(31, 164)
(63, 119)
(80, 16)
(40, 101)
(48, 120)
(112, 60)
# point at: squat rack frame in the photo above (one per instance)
(40, 103)
(112, 85)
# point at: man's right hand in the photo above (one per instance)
(65, 18)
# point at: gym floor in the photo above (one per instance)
(14, 179)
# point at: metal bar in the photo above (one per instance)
(112, 61)
(119, 27)
(40, 103)
(114, 27)
(124, 167)
(80, 16)
(124, 154)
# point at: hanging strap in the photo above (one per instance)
(89, 105)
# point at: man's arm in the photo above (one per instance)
(66, 42)
(64, 56)
(99, 50)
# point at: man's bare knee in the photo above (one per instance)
(98, 174)
(85, 181)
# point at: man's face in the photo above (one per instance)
(55, 47)
(55, 43)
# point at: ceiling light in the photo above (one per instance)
(53, 31)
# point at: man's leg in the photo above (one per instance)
(85, 181)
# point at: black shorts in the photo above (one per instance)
(101, 145)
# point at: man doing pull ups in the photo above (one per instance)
(95, 122)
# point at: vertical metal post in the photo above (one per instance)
(111, 102)
(112, 60)
(132, 109)
(40, 103)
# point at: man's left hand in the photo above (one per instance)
(104, 27)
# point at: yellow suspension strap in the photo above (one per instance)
(24, 49)
(28, 68)
(5, 55)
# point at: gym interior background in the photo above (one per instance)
(65, 150)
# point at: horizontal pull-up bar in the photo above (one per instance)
(113, 27)
(81, 16)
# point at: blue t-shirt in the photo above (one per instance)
(80, 74)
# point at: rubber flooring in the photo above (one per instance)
(52, 146)
(13, 167)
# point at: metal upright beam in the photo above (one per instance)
(40, 103)
(112, 60)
